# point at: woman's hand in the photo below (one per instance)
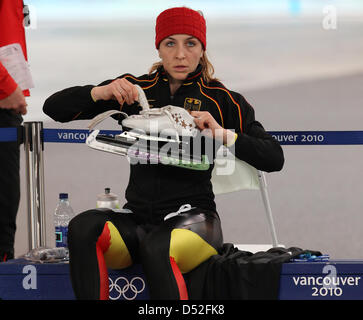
(121, 90)
(204, 120)
(210, 127)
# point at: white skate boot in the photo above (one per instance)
(159, 135)
(166, 121)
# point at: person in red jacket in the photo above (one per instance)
(12, 106)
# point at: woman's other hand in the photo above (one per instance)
(210, 127)
(121, 90)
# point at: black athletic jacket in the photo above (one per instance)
(155, 190)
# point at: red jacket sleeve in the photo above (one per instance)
(7, 83)
(12, 31)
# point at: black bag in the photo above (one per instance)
(240, 275)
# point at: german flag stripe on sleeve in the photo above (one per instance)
(230, 96)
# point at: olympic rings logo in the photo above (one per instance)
(123, 287)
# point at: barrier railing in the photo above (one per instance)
(34, 136)
(284, 137)
(34, 167)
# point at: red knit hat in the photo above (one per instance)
(180, 20)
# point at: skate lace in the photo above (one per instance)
(142, 98)
(102, 116)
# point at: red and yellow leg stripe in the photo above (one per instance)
(112, 253)
(187, 251)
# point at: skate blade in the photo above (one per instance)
(144, 157)
(92, 142)
(140, 135)
(125, 140)
(124, 147)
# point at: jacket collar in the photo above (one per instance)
(193, 76)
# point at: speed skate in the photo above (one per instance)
(166, 135)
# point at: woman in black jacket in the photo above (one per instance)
(166, 248)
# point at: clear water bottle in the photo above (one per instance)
(107, 200)
(62, 215)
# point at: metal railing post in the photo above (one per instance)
(34, 146)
